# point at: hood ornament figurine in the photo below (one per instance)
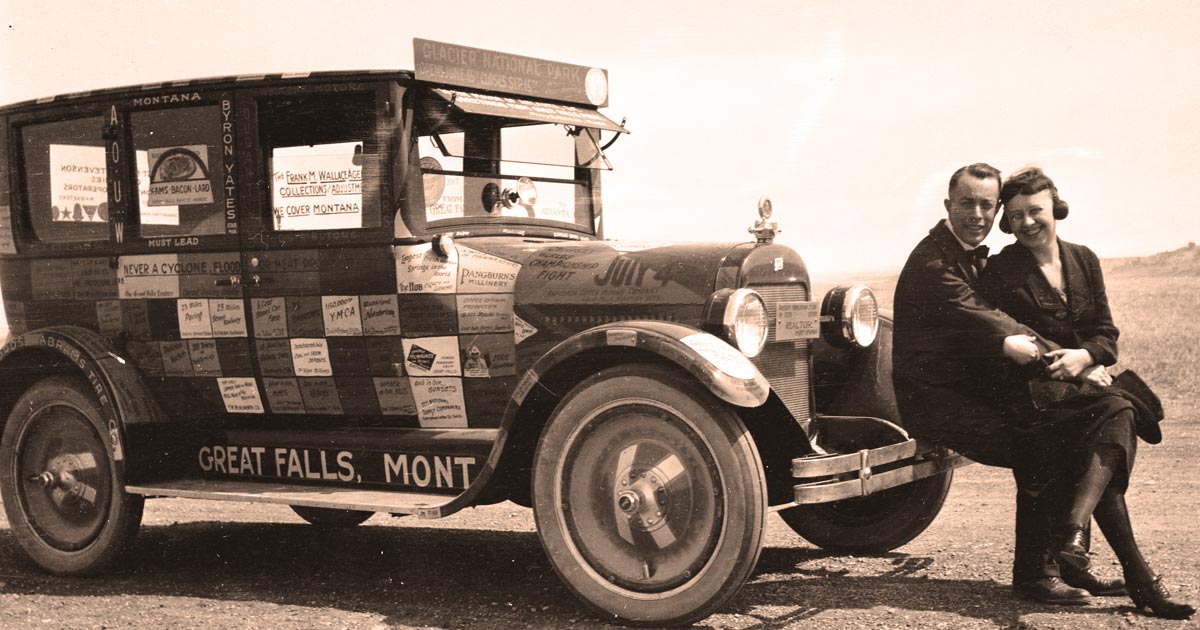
(764, 229)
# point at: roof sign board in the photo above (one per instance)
(511, 107)
(452, 64)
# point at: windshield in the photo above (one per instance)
(478, 170)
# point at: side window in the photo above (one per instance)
(179, 171)
(323, 160)
(66, 180)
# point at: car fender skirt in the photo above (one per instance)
(720, 367)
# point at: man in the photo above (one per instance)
(944, 334)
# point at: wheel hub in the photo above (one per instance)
(62, 478)
(642, 498)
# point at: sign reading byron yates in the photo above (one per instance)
(489, 70)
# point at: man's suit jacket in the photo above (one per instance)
(947, 339)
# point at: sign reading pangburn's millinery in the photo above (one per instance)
(489, 70)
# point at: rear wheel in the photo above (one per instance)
(649, 496)
(65, 502)
(331, 518)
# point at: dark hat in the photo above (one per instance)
(1148, 408)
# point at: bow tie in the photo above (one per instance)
(979, 253)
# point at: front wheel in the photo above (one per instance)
(65, 501)
(876, 523)
(649, 496)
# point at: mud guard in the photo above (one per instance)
(720, 367)
(118, 386)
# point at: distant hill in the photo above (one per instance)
(1181, 262)
(1184, 261)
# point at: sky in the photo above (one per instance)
(850, 115)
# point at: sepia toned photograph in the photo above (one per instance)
(734, 316)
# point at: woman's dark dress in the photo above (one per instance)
(1065, 422)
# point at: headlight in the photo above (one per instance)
(740, 318)
(850, 316)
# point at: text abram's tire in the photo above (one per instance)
(66, 505)
(330, 518)
(649, 496)
(872, 524)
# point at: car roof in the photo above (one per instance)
(230, 81)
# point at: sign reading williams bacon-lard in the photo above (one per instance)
(439, 62)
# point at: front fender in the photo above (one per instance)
(725, 371)
(123, 396)
(856, 382)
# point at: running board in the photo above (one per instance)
(422, 504)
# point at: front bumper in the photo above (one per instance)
(834, 477)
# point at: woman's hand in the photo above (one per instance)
(1068, 363)
(1021, 349)
(1097, 375)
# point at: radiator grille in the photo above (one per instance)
(786, 363)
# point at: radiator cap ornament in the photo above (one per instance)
(765, 229)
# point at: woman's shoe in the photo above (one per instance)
(1154, 595)
(1071, 549)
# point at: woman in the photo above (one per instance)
(1081, 430)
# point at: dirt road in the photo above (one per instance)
(223, 565)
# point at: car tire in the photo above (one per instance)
(65, 501)
(331, 518)
(649, 496)
(873, 524)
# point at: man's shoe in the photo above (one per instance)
(1051, 590)
(1088, 581)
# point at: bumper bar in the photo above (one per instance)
(835, 477)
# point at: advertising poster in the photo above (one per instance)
(228, 317)
(420, 270)
(240, 395)
(108, 317)
(274, 356)
(485, 312)
(395, 396)
(204, 357)
(380, 315)
(151, 214)
(179, 176)
(341, 315)
(270, 317)
(320, 395)
(78, 183)
(194, 321)
(431, 356)
(317, 187)
(149, 276)
(480, 272)
(484, 356)
(522, 329)
(310, 357)
(283, 394)
(175, 358)
(439, 402)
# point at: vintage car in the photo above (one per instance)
(367, 292)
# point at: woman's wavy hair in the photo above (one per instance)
(1030, 181)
